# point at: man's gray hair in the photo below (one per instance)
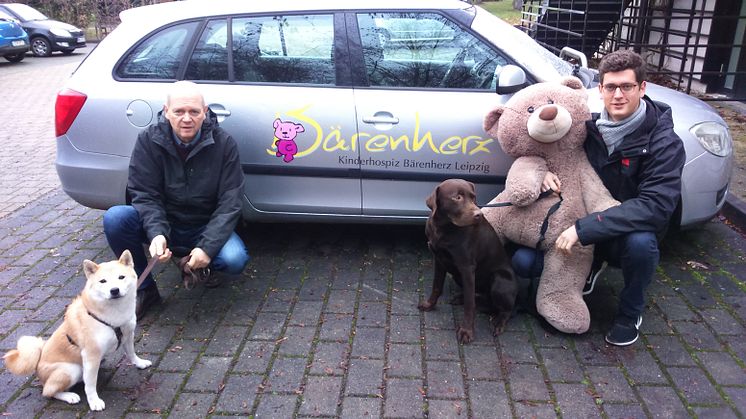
(184, 88)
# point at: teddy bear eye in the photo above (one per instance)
(103, 281)
(121, 276)
(551, 102)
(530, 109)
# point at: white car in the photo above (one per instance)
(382, 121)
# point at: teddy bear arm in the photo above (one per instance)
(523, 183)
(595, 195)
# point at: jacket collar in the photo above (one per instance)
(164, 133)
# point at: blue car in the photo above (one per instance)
(13, 39)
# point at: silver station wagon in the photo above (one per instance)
(343, 111)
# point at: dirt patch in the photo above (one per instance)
(736, 120)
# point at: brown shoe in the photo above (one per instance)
(146, 298)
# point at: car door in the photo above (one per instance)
(425, 86)
(292, 120)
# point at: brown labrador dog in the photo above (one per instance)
(465, 245)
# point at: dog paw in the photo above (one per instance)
(426, 306)
(68, 397)
(96, 404)
(464, 335)
(142, 363)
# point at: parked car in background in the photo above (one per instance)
(46, 35)
(14, 41)
(384, 119)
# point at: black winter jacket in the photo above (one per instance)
(205, 190)
(643, 173)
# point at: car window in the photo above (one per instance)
(160, 55)
(26, 13)
(424, 50)
(210, 57)
(284, 49)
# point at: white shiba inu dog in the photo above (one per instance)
(97, 322)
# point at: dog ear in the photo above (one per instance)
(126, 259)
(89, 268)
(432, 200)
(472, 187)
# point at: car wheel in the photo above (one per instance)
(41, 47)
(68, 51)
(15, 58)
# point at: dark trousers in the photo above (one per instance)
(635, 253)
(123, 230)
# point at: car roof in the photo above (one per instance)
(174, 11)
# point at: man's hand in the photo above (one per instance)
(551, 181)
(567, 240)
(159, 248)
(198, 259)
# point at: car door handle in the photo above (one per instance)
(380, 119)
(222, 112)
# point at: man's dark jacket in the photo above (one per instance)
(643, 173)
(205, 190)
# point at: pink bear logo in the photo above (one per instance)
(285, 132)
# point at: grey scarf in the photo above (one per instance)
(614, 132)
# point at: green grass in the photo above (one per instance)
(504, 10)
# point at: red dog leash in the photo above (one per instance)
(147, 270)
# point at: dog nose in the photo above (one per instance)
(477, 214)
(548, 113)
(114, 292)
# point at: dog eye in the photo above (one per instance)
(530, 109)
(121, 276)
(103, 281)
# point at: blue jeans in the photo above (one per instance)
(635, 253)
(123, 230)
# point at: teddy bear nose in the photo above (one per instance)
(548, 113)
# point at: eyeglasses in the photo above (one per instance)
(626, 87)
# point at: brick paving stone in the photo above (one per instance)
(297, 340)
(321, 396)
(669, 350)
(714, 412)
(336, 327)
(239, 394)
(374, 289)
(722, 322)
(276, 406)
(208, 374)
(574, 401)
(11, 384)
(33, 298)
(516, 347)
(24, 329)
(654, 323)
(403, 398)
(191, 405)
(313, 289)
(369, 342)
(447, 409)
(561, 364)
(534, 410)
(644, 369)
(441, 317)
(737, 396)
(330, 358)
(225, 341)
(722, 368)
(268, 326)
(404, 361)
(610, 384)
(489, 399)
(674, 308)
(9, 318)
(527, 382)
(482, 362)
(286, 375)
(156, 339)
(405, 329)
(441, 344)
(693, 383)
(255, 357)
(697, 335)
(358, 407)
(370, 313)
(365, 377)
(180, 355)
(278, 301)
(444, 379)
(307, 313)
(341, 301)
(405, 303)
(624, 411)
(158, 391)
(662, 402)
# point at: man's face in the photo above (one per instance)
(185, 113)
(625, 97)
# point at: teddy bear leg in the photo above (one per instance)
(559, 298)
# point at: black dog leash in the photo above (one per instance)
(508, 204)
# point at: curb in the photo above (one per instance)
(734, 210)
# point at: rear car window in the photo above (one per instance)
(160, 55)
(284, 49)
(209, 60)
(425, 50)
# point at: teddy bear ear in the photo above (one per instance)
(491, 119)
(572, 82)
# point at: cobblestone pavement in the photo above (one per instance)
(324, 323)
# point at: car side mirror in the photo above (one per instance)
(510, 79)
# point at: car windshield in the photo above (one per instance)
(26, 13)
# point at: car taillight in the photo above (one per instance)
(69, 102)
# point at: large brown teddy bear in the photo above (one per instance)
(543, 127)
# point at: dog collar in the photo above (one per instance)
(117, 330)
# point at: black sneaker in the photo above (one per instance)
(624, 331)
(590, 282)
(146, 298)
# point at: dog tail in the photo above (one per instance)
(23, 361)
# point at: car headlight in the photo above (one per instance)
(714, 137)
(60, 32)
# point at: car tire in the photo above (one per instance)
(15, 58)
(68, 51)
(41, 47)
